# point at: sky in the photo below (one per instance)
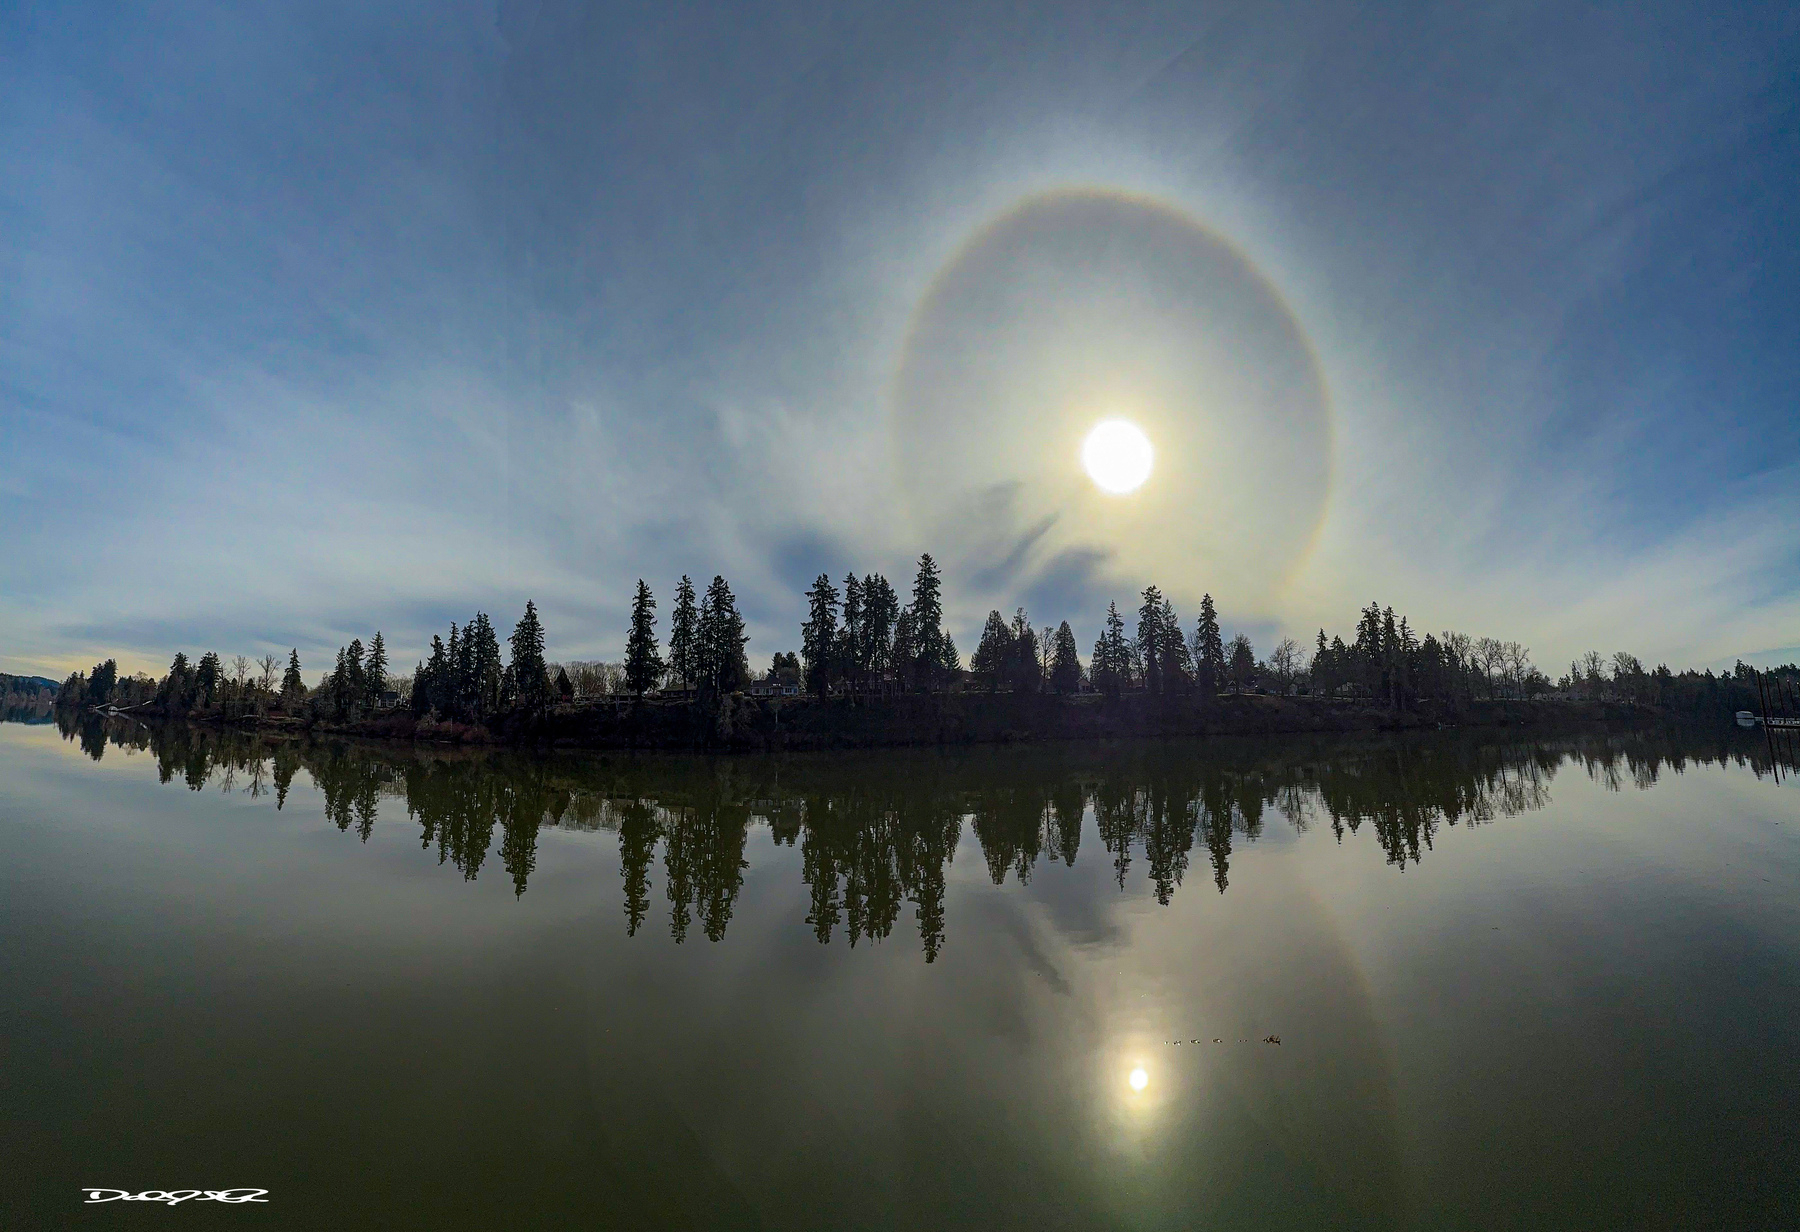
(321, 319)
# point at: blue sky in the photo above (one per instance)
(320, 319)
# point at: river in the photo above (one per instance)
(1440, 980)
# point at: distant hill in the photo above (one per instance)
(27, 684)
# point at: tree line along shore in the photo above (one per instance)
(872, 670)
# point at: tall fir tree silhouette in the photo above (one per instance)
(819, 635)
(530, 676)
(720, 640)
(993, 654)
(1065, 662)
(1110, 667)
(293, 688)
(1209, 649)
(1150, 639)
(684, 634)
(375, 673)
(643, 661)
(881, 608)
(928, 623)
(851, 650)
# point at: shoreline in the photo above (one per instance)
(745, 725)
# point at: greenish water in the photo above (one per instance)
(1514, 984)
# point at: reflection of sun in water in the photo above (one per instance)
(1117, 456)
(1139, 1079)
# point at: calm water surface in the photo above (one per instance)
(1514, 984)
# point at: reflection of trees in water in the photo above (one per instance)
(458, 804)
(1612, 759)
(1165, 814)
(703, 864)
(1405, 793)
(867, 852)
(878, 831)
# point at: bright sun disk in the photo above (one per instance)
(1117, 456)
(1139, 1080)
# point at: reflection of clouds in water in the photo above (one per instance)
(1083, 305)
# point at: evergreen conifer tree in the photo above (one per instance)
(1023, 671)
(340, 683)
(356, 679)
(905, 653)
(881, 608)
(1406, 665)
(1111, 665)
(428, 687)
(293, 687)
(483, 668)
(101, 682)
(785, 668)
(928, 623)
(1065, 661)
(993, 653)
(1209, 649)
(1390, 659)
(851, 639)
(720, 640)
(375, 673)
(1367, 650)
(1150, 639)
(173, 691)
(1177, 663)
(684, 632)
(1430, 678)
(456, 665)
(530, 676)
(207, 678)
(819, 635)
(643, 662)
(1242, 662)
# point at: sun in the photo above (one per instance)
(1139, 1079)
(1117, 456)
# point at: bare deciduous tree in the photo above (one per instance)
(1456, 648)
(1286, 663)
(1628, 675)
(592, 678)
(1518, 666)
(1490, 657)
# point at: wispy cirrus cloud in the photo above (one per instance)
(320, 321)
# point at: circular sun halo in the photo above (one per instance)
(1139, 1080)
(1117, 456)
